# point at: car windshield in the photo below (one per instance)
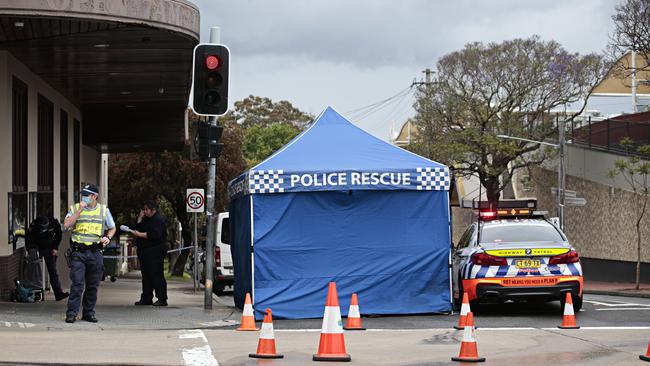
(512, 233)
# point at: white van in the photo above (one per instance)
(223, 267)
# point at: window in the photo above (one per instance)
(77, 160)
(466, 238)
(18, 197)
(19, 116)
(63, 157)
(45, 186)
(520, 233)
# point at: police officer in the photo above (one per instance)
(92, 228)
(44, 233)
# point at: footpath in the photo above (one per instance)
(115, 309)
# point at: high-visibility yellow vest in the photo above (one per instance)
(89, 227)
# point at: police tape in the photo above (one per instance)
(135, 256)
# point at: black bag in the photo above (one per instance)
(32, 274)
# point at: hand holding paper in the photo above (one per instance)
(125, 229)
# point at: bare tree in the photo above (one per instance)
(631, 33)
(509, 88)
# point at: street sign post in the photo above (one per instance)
(195, 203)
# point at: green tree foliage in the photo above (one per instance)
(508, 88)
(262, 141)
(135, 177)
(262, 112)
(267, 125)
(635, 171)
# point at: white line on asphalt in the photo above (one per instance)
(616, 309)
(615, 304)
(192, 333)
(478, 329)
(603, 328)
(197, 356)
(18, 324)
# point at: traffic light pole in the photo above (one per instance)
(212, 175)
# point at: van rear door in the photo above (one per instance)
(223, 241)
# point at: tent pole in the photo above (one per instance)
(252, 251)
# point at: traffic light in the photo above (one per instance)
(207, 143)
(210, 79)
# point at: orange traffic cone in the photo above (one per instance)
(569, 318)
(247, 317)
(332, 342)
(646, 357)
(468, 350)
(266, 344)
(464, 309)
(354, 316)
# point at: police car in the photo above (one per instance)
(515, 253)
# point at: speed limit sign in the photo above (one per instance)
(194, 200)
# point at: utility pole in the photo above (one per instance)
(215, 38)
(634, 109)
(561, 173)
(427, 83)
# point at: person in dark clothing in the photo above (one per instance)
(151, 241)
(44, 233)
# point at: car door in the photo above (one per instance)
(461, 252)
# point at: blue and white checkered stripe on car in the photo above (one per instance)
(472, 271)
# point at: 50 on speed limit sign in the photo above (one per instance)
(194, 200)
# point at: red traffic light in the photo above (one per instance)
(212, 62)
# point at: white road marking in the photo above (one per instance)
(192, 333)
(615, 303)
(200, 355)
(477, 329)
(602, 328)
(18, 324)
(617, 309)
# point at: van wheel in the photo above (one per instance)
(218, 288)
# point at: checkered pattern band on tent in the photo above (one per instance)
(433, 179)
(265, 181)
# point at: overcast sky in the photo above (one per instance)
(350, 54)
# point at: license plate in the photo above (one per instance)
(527, 263)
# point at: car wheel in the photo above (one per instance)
(577, 303)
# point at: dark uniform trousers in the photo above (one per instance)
(86, 270)
(50, 263)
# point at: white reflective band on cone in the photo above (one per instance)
(468, 334)
(568, 309)
(464, 309)
(267, 331)
(332, 320)
(248, 310)
(354, 312)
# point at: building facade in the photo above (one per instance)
(78, 80)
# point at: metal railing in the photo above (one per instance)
(607, 134)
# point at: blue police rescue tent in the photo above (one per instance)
(337, 204)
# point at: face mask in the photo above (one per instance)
(86, 200)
